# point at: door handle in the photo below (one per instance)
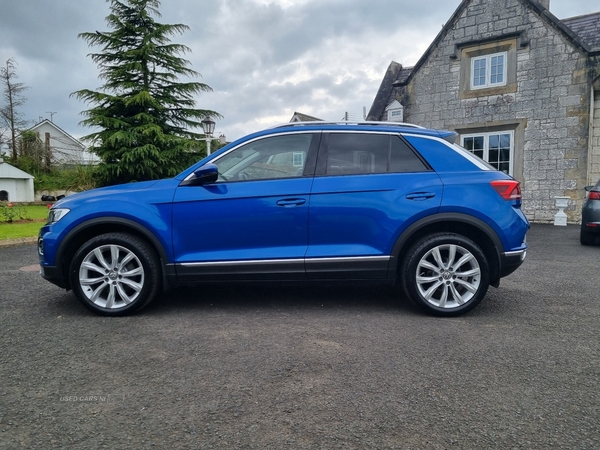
(420, 195)
(287, 202)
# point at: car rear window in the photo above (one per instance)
(446, 157)
(362, 153)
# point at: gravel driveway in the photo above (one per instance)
(254, 367)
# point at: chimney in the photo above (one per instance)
(545, 4)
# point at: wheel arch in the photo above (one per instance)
(95, 227)
(470, 227)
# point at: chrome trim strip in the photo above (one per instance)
(346, 122)
(284, 261)
(349, 259)
(242, 262)
(515, 253)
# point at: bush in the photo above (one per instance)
(10, 212)
(76, 177)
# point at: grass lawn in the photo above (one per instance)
(35, 219)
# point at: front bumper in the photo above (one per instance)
(53, 275)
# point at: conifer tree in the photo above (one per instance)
(144, 118)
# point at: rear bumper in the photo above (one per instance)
(511, 261)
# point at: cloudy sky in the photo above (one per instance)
(264, 59)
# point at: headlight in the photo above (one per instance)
(54, 215)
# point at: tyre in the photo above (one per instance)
(446, 274)
(115, 274)
(586, 238)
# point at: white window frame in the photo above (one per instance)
(488, 70)
(298, 159)
(365, 160)
(395, 112)
(486, 146)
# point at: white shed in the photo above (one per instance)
(15, 185)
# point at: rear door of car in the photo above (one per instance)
(253, 222)
(368, 187)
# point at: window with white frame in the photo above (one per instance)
(497, 148)
(488, 70)
(395, 112)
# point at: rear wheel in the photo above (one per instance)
(586, 238)
(446, 274)
(115, 274)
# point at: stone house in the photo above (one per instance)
(522, 90)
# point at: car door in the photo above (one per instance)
(253, 222)
(367, 187)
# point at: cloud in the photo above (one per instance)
(264, 59)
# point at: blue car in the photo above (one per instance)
(376, 202)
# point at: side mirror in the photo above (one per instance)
(206, 174)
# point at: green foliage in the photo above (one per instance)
(143, 114)
(9, 212)
(76, 178)
(32, 153)
(27, 224)
(69, 178)
(19, 230)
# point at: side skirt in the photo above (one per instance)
(356, 268)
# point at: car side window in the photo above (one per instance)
(403, 158)
(356, 153)
(269, 158)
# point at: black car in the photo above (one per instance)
(590, 216)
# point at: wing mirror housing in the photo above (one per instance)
(206, 174)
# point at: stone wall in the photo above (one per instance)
(547, 106)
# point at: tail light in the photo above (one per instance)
(594, 195)
(508, 189)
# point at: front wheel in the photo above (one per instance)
(115, 274)
(446, 274)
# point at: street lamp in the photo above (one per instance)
(209, 127)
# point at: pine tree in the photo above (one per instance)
(143, 114)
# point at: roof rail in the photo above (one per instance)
(348, 122)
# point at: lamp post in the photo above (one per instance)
(209, 127)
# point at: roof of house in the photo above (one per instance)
(582, 31)
(57, 128)
(587, 27)
(383, 94)
(8, 171)
(581, 24)
(300, 117)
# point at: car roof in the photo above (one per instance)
(390, 127)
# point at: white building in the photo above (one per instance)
(15, 185)
(64, 148)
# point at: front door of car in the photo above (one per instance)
(367, 187)
(253, 222)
